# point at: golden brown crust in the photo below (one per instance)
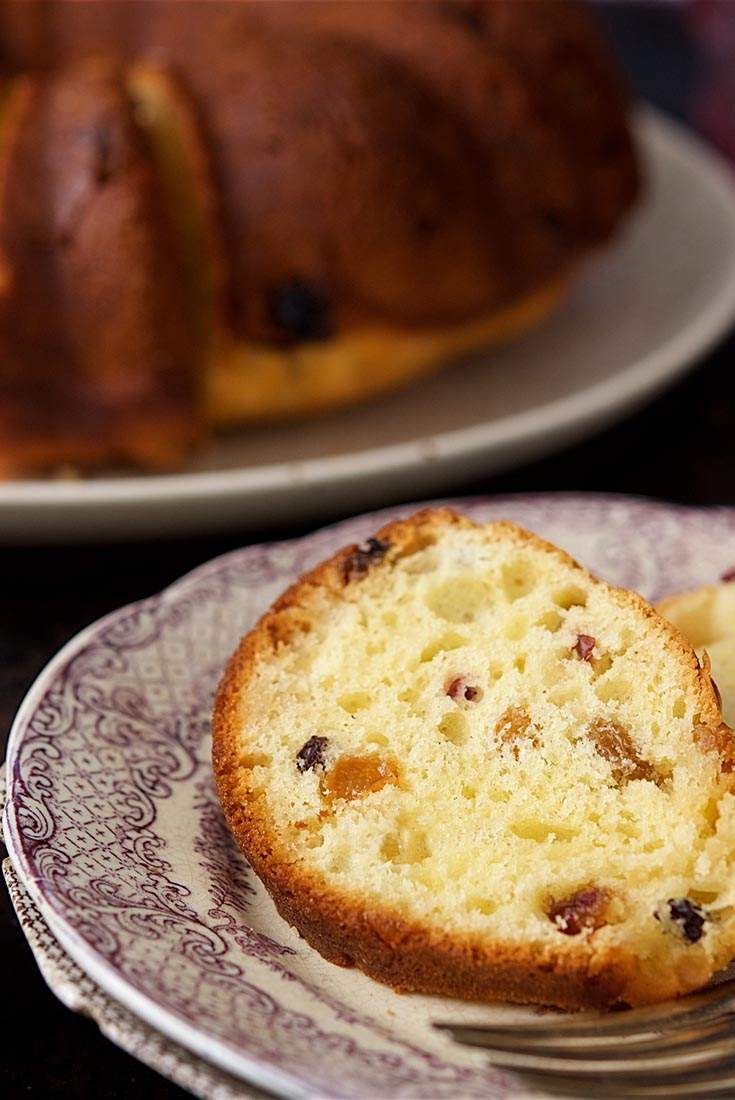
(496, 69)
(349, 931)
(562, 189)
(97, 361)
(448, 224)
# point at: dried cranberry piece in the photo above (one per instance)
(586, 908)
(459, 690)
(728, 575)
(311, 754)
(688, 917)
(584, 647)
(300, 310)
(360, 560)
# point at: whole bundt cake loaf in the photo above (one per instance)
(317, 202)
(461, 763)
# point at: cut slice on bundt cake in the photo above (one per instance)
(461, 763)
(168, 118)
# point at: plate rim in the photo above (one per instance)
(612, 394)
(164, 1020)
(212, 1049)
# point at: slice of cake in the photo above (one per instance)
(461, 763)
(707, 618)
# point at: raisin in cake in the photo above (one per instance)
(461, 763)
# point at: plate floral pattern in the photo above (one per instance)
(114, 828)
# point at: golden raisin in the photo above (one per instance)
(356, 776)
(585, 908)
(613, 742)
(514, 726)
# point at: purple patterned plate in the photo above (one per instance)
(113, 826)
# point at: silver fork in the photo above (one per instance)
(680, 1048)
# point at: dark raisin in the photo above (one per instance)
(554, 220)
(584, 646)
(427, 225)
(458, 689)
(360, 560)
(615, 144)
(311, 755)
(300, 310)
(586, 908)
(687, 916)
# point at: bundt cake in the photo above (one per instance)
(215, 213)
(461, 763)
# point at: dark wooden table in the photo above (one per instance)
(681, 448)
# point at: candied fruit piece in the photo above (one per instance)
(613, 742)
(683, 916)
(359, 561)
(585, 908)
(717, 739)
(461, 691)
(584, 646)
(515, 726)
(311, 755)
(356, 776)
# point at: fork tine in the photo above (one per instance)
(650, 1040)
(719, 1083)
(669, 1016)
(631, 1065)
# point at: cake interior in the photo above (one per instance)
(165, 119)
(480, 738)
